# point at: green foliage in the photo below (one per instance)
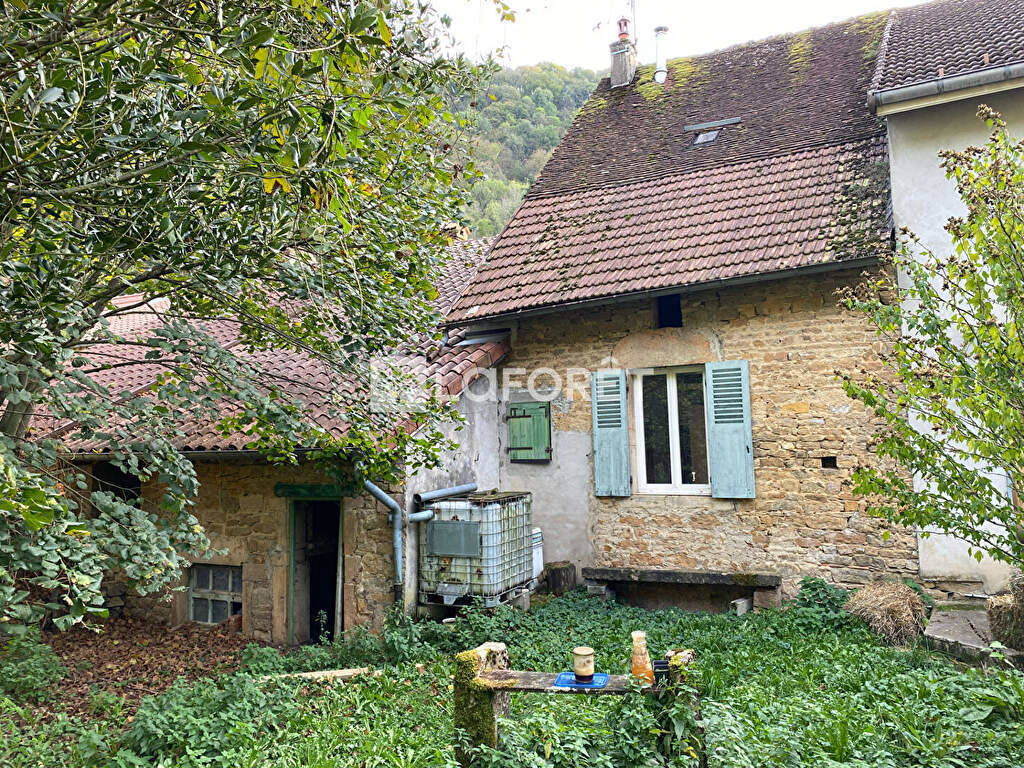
(401, 640)
(819, 606)
(519, 121)
(28, 668)
(211, 721)
(236, 163)
(928, 600)
(771, 694)
(951, 396)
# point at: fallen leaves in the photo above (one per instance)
(131, 659)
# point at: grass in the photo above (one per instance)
(796, 688)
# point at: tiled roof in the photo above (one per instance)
(758, 217)
(947, 38)
(629, 203)
(466, 258)
(448, 366)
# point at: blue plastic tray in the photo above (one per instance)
(568, 680)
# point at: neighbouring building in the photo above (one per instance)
(940, 62)
(294, 543)
(673, 397)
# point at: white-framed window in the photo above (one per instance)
(670, 421)
(215, 592)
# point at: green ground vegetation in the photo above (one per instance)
(800, 687)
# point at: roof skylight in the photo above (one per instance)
(708, 132)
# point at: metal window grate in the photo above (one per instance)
(215, 592)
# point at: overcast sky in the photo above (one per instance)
(576, 33)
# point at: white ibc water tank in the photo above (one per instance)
(537, 542)
(478, 545)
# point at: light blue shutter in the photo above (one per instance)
(730, 443)
(611, 433)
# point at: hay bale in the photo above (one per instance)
(1006, 620)
(891, 609)
(1017, 585)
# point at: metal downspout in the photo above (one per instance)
(419, 516)
(442, 493)
(396, 533)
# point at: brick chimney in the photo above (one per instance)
(623, 57)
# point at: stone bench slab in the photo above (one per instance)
(665, 576)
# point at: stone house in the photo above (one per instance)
(672, 397)
(294, 543)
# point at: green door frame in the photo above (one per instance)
(313, 492)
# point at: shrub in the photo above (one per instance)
(819, 606)
(928, 600)
(892, 609)
(29, 668)
(205, 722)
(1006, 619)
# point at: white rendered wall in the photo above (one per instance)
(923, 201)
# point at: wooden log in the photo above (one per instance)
(560, 577)
(341, 675)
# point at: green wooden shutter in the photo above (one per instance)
(730, 443)
(611, 433)
(529, 431)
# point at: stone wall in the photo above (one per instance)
(242, 515)
(805, 519)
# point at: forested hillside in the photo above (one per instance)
(520, 121)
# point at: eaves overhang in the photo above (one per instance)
(942, 90)
(619, 298)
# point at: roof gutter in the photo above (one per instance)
(944, 89)
(782, 274)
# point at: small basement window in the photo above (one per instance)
(829, 462)
(670, 311)
(215, 592)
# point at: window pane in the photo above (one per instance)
(200, 609)
(236, 608)
(222, 578)
(693, 446)
(201, 576)
(218, 611)
(657, 454)
(236, 579)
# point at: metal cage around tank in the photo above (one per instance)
(478, 545)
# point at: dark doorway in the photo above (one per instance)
(319, 522)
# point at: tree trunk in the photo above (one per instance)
(559, 577)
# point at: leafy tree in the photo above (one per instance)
(519, 123)
(952, 394)
(281, 175)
